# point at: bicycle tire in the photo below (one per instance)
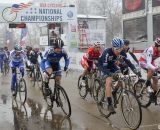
(22, 89)
(61, 89)
(130, 97)
(101, 103)
(141, 93)
(82, 89)
(48, 99)
(39, 78)
(95, 89)
(5, 69)
(33, 78)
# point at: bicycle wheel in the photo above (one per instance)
(140, 90)
(39, 78)
(82, 87)
(33, 78)
(5, 71)
(48, 99)
(131, 110)
(101, 103)
(96, 85)
(63, 101)
(22, 89)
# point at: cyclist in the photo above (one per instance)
(7, 52)
(50, 62)
(87, 60)
(27, 62)
(34, 54)
(108, 66)
(2, 58)
(125, 62)
(16, 57)
(147, 62)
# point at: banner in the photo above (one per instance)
(155, 3)
(135, 29)
(132, 5)
(36, 13)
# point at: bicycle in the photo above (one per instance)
(35, 75)
(20, 87)
(89, 85)
(56, 96)
(140, 90)
(129, 103)
(6, 68)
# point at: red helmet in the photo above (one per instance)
(157, 41)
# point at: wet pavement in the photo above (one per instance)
(35, 115)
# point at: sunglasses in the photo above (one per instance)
(118, 49)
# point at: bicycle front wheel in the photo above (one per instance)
(140, 90)
(82, 88)
(96, 86)
(33, 78)
(22, 90)
(39, 79)
(48, 98)
(63, 101)
(131, 110)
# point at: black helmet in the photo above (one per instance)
(57, 43)
(126, 42)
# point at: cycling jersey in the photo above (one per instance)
(148, 56)
(91, 54)
(125, 63)
(7, 54)
(108, 60)
(3, 55)
(87, 59)
(51, 59)
(17, 57)
(33, 57)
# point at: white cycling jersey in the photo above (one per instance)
(148, 56)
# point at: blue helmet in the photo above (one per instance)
(117, 43)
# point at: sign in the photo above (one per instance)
(44, 40)
(15, 25)
(132, 5)
(36, 13)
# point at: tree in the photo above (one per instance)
(112, 10)
(82, 7)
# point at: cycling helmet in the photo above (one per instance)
(18, 48)
(157, 41)
(126, 42)
(57, 43)
(117, 43)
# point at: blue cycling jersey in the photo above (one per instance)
(54, 58)
(125, 60)
(2, 55)
(107, 59)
